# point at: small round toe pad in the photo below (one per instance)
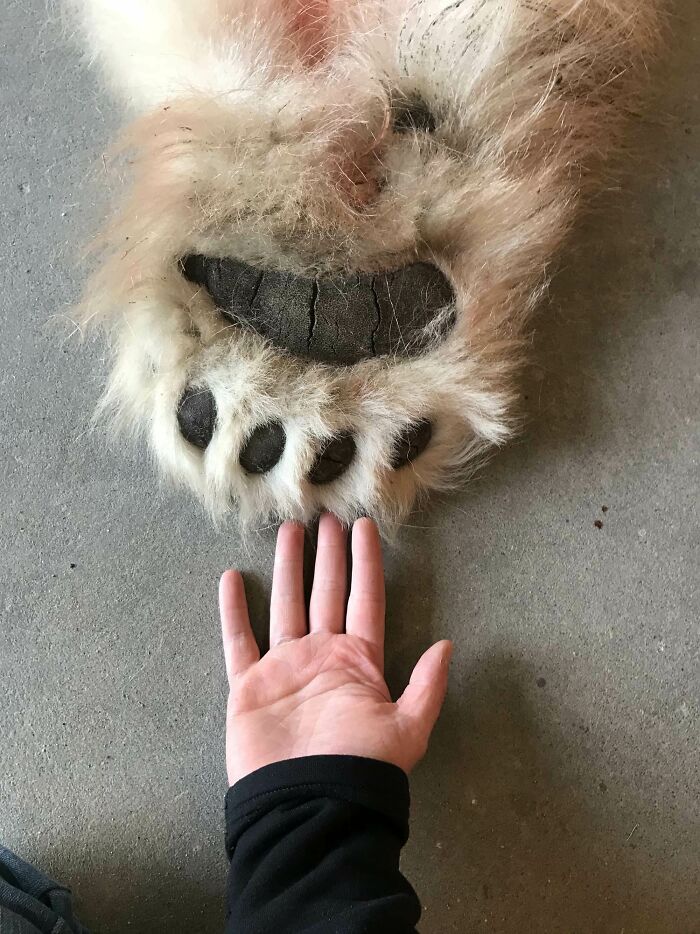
(196, 415)
(263, 448)
(412, 441)
(333, 459)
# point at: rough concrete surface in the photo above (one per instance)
(561, 790)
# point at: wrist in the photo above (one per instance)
(371, 783)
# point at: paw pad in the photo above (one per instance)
(196, 416)
(394, 314)
(411, 443)
(264, 448)
(333, 459)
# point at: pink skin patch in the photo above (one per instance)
(310, 22)
(356, 165)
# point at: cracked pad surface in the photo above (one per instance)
(339, 320)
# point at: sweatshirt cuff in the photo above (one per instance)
(368, 783)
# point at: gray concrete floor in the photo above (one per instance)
(561, 790)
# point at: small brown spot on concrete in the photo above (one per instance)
(541, 683)
(598, 524)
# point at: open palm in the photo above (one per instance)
(320, 690)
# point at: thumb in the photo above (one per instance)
(423, 698)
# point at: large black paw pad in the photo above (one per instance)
(263, 448)
(340, 319)
(412, 441)
(333, 459)
(196, 416)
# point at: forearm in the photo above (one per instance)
(314, 846)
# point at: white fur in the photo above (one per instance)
(263, 135)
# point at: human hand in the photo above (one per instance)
(320, 689)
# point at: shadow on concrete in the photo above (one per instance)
(116, 894)
(504, 838)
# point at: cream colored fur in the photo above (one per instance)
(262, 131)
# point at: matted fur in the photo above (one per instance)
(263, 131)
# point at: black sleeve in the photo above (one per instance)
(314, 847)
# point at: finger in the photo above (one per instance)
(367, 603)
(287, 607)
(327, 605)
(240, 648)
(423, 698)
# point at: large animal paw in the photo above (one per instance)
(340, 220)
(278, 395)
